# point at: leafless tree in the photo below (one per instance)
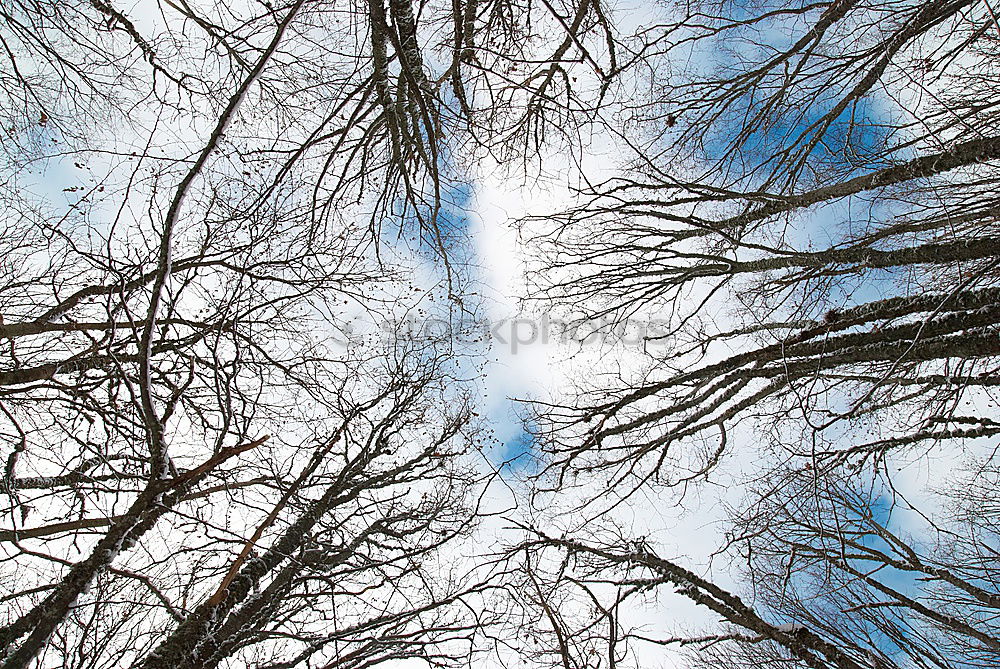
(197, 196)
(818, 259)
(810, 204)
(199, 469)
(857, 566)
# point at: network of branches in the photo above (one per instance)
(202, 468)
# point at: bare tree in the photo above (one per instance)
(592, 587)
(198, 195)
(201, 470)
(858, 567)
(818, 260)
(809, 203)
(355, 525)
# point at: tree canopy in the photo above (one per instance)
(208, 462)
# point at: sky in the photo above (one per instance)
(521, 366)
